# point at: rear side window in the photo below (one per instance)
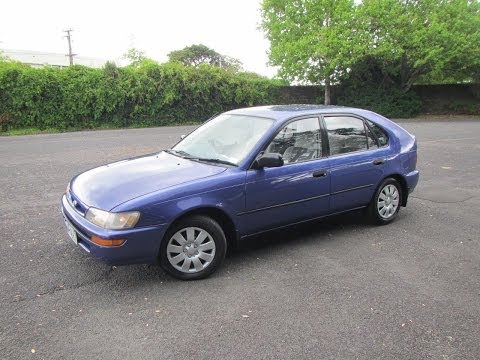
(379, 133)
(345, 134)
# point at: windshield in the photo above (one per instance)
(226, 138)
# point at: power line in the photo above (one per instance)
(69, 39)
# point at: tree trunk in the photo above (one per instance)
(405, 73)
(327, 91)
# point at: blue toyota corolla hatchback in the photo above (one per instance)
(242, 173)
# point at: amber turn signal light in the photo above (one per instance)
(107, 242)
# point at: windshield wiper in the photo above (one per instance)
(186, 155)
(216, 161)
(181, 154)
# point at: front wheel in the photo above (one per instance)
(193, 248)
(385, 205)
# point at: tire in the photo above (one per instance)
(386, 202)
(193, 248)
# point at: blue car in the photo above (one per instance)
(244, 172)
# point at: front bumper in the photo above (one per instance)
(141, 245)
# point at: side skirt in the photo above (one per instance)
(301, 222)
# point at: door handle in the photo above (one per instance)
(378, 161)
(320, 173)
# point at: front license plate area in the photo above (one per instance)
(71, 231)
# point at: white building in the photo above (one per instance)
(40, 59)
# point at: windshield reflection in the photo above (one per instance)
(226, 139)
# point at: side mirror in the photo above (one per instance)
(183, 136)
(268, 160)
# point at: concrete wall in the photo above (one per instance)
(301, 94)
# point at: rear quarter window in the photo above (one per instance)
(346, 134)
(379, 133)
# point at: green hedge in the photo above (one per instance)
(150, 94)
(388, 101)
(369, 86)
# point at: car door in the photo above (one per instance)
(356, 161)
(294, 192)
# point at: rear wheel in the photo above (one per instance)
(385, 205)
(193, 248)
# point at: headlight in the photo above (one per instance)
(112, 221)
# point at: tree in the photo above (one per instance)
(134, 56)
(429, 41)
(311, 41)
(437, 41)
(195, 55)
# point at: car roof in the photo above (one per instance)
(284, 112)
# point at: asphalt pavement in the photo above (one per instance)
(335, 289)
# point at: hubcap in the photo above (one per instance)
(191, 250)
(388, 201)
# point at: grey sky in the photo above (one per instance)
(106, 29)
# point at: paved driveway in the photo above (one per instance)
(334, 289)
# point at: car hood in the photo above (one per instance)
(110, 185)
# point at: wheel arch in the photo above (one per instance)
(403, 183)
(217, 214)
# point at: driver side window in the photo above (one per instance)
(298, 141)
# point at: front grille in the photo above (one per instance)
(76, 204)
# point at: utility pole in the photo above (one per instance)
(69, 39)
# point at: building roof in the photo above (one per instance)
(40, 58)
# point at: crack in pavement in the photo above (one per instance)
(51, 291)
(443, 202)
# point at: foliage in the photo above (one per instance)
(369, 86)
(394, 103)
(312, 41)
(412, 41)
(195, 55)
(134, 56)
(461, 107)
(429, 40)
(147, 94)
